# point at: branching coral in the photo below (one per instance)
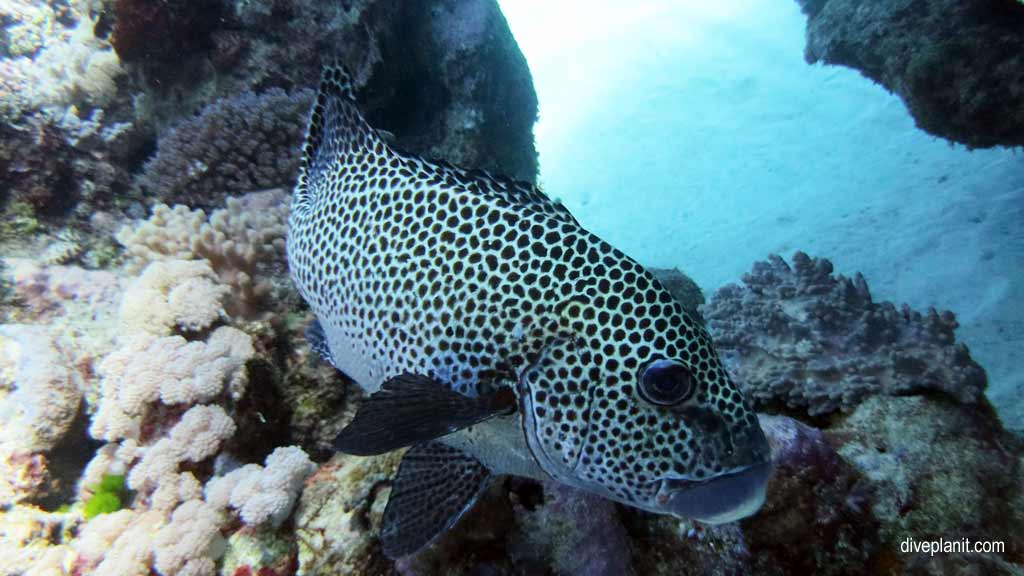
(118, 544)
(165, 409)
(197, 436)
(188, 545)
(248, 142)
(236, 241)
(169, 369)
(263, 493)
(173, 295)
(153, 363)
(802, 337)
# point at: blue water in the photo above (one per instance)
(694, 134)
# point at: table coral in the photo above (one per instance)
(806, 339)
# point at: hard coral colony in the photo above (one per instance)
(523, 397)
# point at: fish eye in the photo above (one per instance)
(666, 383)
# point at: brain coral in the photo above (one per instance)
(802, 337)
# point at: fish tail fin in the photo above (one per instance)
(336, 126)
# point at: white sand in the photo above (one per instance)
(697, 137)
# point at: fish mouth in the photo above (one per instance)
(725, 498)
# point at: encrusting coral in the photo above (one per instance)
(810, 340)
(40, 394)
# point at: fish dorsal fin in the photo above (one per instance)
(436, 484)
(336, 126)
(411, 409)
(513, 191)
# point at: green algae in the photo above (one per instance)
(107, 496)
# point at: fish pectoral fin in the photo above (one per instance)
(411, 409)
(318, 342)
(436, 484)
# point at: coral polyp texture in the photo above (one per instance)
(807, 339)
(239, 243)
(247, 142)
(263, 493)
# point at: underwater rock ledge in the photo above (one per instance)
(957, 65)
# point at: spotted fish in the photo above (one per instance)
(495, 335)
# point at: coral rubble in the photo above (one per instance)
(958, 66)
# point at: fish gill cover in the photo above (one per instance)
(153, 349)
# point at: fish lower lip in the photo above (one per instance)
(721, 499)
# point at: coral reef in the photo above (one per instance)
(237, 241)
(246, 142)
(817, 516)
(156, 34)
(339, 514)
(682, 287)
(263, 493)
(168, 392)
(808, 340)
(36, 169)
(184, 362)
(40, 394)
(573, 533)
(87, 91)
(887, 463)
(957, 65)
(937, 469)
(446, 78)
(182, 351)
(54, 60)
